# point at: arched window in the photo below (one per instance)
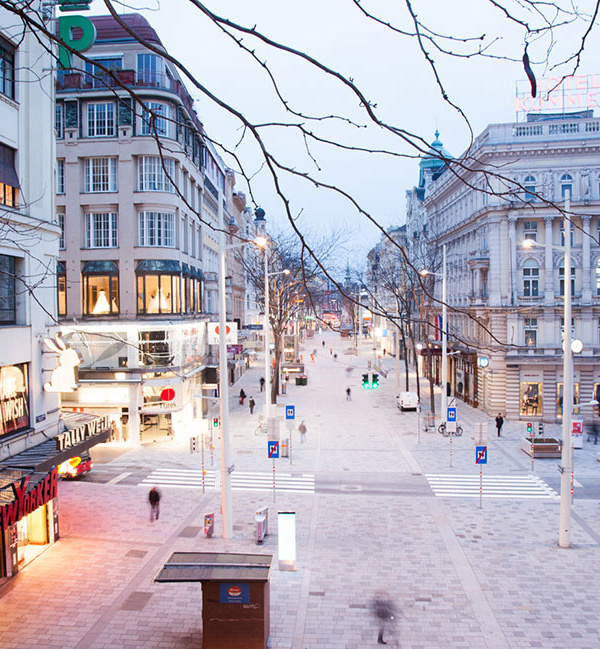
(566, 185)
(561, 279)
(529, 184)
(531, 279)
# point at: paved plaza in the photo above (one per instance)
(370, 519)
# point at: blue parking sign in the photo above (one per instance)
(451, 414)
(290, 412)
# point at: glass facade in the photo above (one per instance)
(531, 398)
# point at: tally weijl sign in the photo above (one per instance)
(75, 436)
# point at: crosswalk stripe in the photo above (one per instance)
(494, 486)
(240, 480)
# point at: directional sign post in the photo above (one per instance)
(481, 459)
(273, 452)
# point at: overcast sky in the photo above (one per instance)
(389, 69)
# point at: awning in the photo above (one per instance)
(158, 266)
(60, 268)
(81, 433)
(8, 173)
(100, 267)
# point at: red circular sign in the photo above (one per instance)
(235, 591)
(227, 329)
(168, 394)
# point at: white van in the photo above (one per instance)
(407, 401)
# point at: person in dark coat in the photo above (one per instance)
(499, 422)
(154, 500)
(383, 609)
(242, 396)
(262, 383)
(251, 404)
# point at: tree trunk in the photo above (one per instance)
(406, 375)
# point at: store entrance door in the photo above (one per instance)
(156, 428)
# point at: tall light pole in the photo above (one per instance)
(564, 534)
(226, 468)
(566, 468)
(444, 377)
(267, 336)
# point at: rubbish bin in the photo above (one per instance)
(260, 528)
(285, 447)
(209, 525)
(577, 433)
(283, 388)
(235, 595)
(301, 379)
(430, 420)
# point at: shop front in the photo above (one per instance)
(29, 490)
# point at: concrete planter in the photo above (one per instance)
(542, 446)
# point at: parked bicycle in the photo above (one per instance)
(443, 430)
(262, 428)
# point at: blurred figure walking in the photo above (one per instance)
(251, 404)
(154, 500)
(383, 609)
(302, 431)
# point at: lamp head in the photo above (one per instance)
(287, 271)
(261, 242)
(424, 272)
(528, 244)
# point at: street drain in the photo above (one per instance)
(350, 487)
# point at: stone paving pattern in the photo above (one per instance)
(462, 577)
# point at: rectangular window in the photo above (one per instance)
(60, 176)
(183, 241)
(101, 120)
(531, 282)
(149, 69)
(531, 399)
(191, 239)
(531, 332)
(157, 120)
(530, 230)
(60, 218)
(97, 77)
(561, 281)
(59, 121)
(562, 235)
(157, 229)
(9, 181)
(101, 294)
(7, 68)
(100, 175)
(559, 399)
(101, 230)
(8, 312)
(159, 293)
(156, 174)
(61, 287)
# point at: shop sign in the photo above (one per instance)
(162, 396)
(77, 33)
(26, 502)
(235, 349)
(231, 332)
(234, 593)
(14, 399)
(75, 436)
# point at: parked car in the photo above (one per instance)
(407, 401)
(75, 467)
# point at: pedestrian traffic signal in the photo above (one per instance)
(194, 444)
(375, 381)
(529, 427)
(365, 381)
(215, 422)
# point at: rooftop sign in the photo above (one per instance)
(580, 92)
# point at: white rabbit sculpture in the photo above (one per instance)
(64, 377)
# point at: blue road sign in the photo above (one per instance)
(273, 449)
(481, 455)
(290, 412)
(451, 414)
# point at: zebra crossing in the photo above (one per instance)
(494, 486)
(240, 480)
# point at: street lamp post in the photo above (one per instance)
(566, 468)
(444, 377)
(267, 336)
(564, 535)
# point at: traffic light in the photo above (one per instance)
(215, 422)
(375, 381)
(194, 444)
(365, 381)
(529, 428)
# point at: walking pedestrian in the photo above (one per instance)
(383, 609)
(330, 351)
(262, 383)
(312, 358)
(154, 500)
(242, 396)
(323, 343)
(348, 394)
(499, 422)
(251, 404)
(335, 357)
(302, 431)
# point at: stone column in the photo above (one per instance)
(548, 265)
(586, 295)
(512, 252)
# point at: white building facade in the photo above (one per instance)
(505, 302)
